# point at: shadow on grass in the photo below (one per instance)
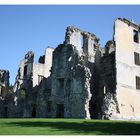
(86, 128)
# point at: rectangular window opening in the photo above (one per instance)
(136, 36)
(60, 111)
(42, 59)
(137, 82)
(137, 58)
(1, 91)
(25, 70)
(49, 106)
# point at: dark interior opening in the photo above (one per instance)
(92, 108)
(60, 111)
(1, 91)
(25, 70)
(6, 112)
(34, 112)
(49, 106)
(137, 82)
(137, 58)
(136, 36)
(42, 59)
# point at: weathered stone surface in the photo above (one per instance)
(72, 69)
(110, 106)
(106, 96)
(32, 86)
(42, 110)
(128, 95)
(4, 85)
(78, 79)
(43, 67)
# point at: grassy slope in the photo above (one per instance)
(67, 127)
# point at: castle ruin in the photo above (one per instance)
(79, 79)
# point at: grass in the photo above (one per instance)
(68, 127)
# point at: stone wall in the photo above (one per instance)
(108, 105)
(42, 68)
(22, 98)
(78, 79)
(70, 84)
(72, 74)
(126, 70)
(4, 85)
(32, 86)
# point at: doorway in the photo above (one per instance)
(6, 112)
(60, 111)
(34, 112)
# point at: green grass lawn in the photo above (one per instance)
(68, 127)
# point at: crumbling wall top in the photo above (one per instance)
(4, 71)
(109, 47)
(4, 77)
(71, 29)
(29, 55)
(110, 44)
(49, 47)
(130, 23)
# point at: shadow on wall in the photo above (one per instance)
(86, 128)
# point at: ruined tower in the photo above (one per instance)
(72, 69)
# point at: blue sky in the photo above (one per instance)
(34, 27)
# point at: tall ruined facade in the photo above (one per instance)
(79, 79)
(72, 74)
(119, 82)
(32, 86)
(23, 98)
(4, 84)
(127, 41)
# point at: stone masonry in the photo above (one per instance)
(4, 84)
(79, 79)
(72, 70)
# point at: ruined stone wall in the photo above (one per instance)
(42, 69)
(64, 57)
(25, 71)
(42, 79)
(103, 103)
(21, 105)
(84, 41)
(41, 89)
(80, 81)
(106, 99)
(72, 74)
(70, 84)
(32, 86)
(43, 99)
(126, 70)
(4, 85)
(117, 96)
